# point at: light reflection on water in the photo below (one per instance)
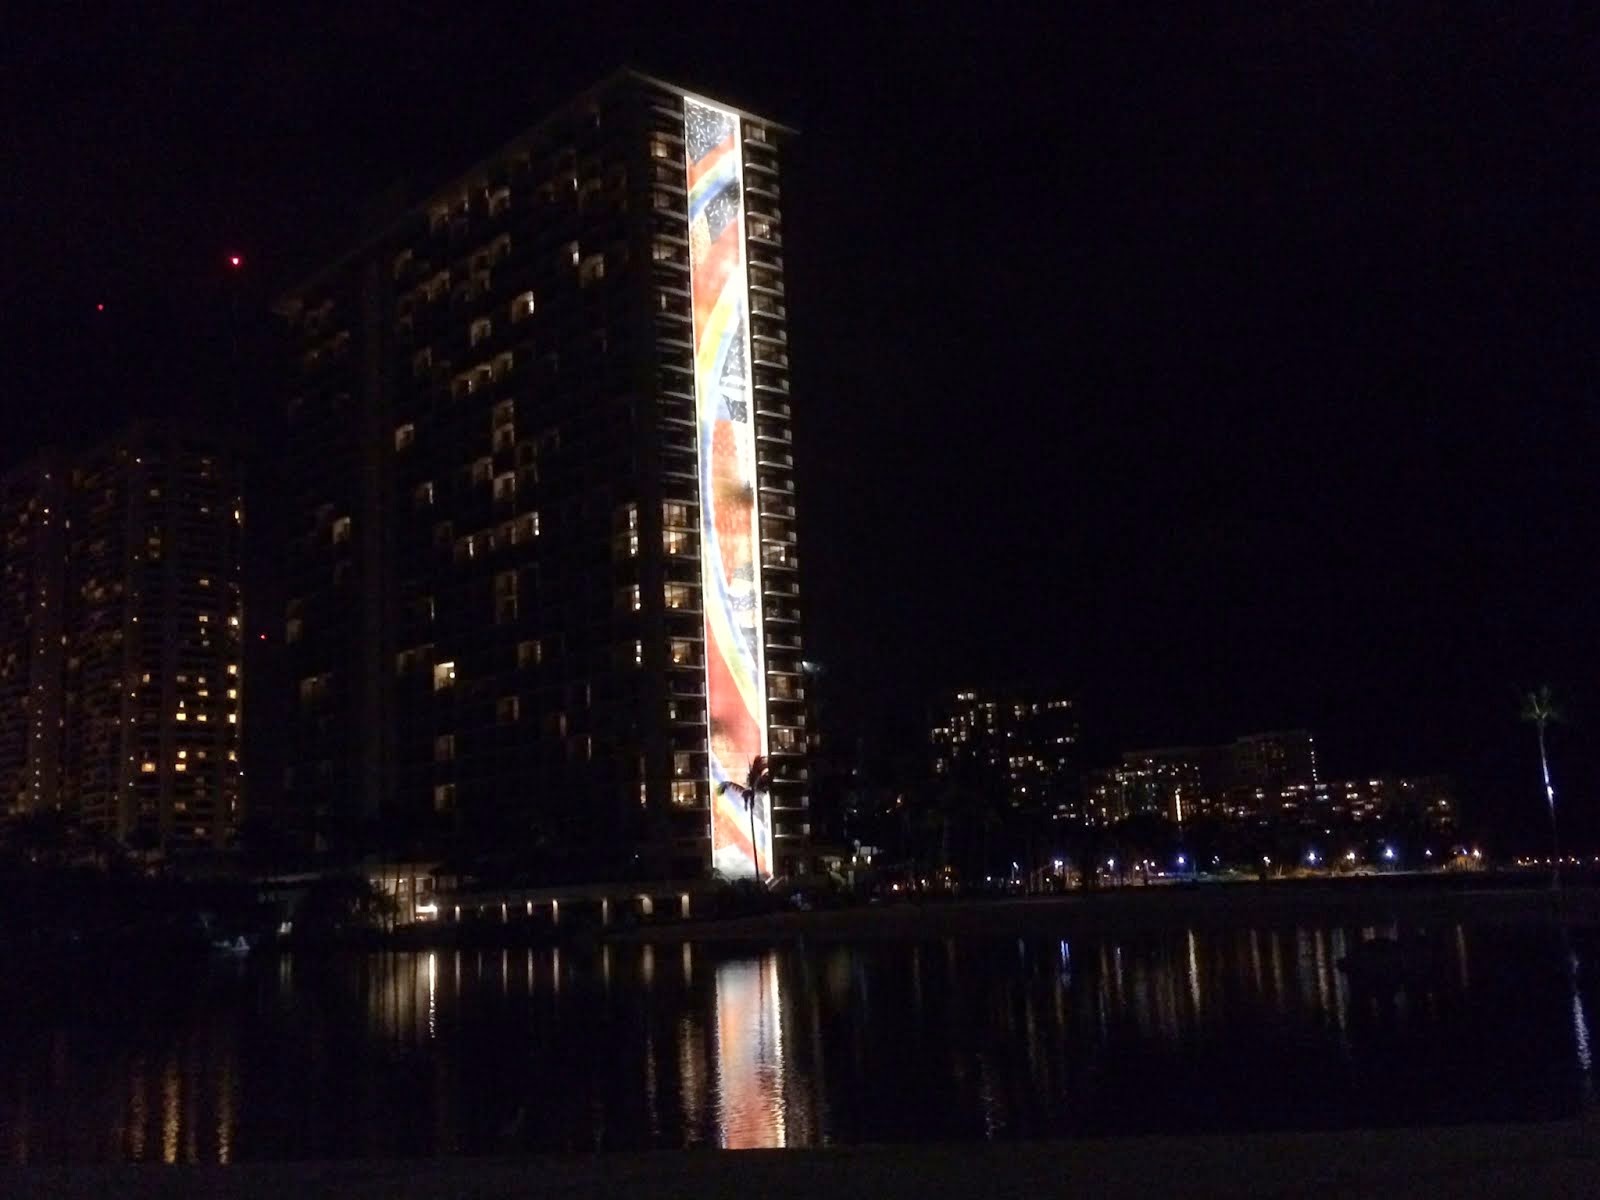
(503, 1050)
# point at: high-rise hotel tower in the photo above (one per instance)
(542, 569)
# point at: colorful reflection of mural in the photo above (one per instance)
(730, 560)
(751, 1109)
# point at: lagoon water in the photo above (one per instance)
(673, 1046)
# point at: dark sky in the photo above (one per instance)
(1234, 369)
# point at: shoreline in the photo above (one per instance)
(1132, 910)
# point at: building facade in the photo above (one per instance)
(542, 571)
(1015, 745)
(129, 557)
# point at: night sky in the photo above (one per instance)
(1230, 371)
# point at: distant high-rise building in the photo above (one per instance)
(131, 642)
(33, 560)
(542, 572)
(1016, 745)
(1262, 765)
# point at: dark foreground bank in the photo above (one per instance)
(1550, 1161)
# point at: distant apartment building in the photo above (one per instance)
(129, 638)
(1264, 779)
(1424, 803)
(542, 572)
(1015, 745)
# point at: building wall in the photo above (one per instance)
(33, 521)
(135, 665)
(1017, 744)
(496, 623)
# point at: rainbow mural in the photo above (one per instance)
(730, 531)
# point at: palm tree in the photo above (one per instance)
(757, 780)
(1539, 709)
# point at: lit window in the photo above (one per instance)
(678, 595)
(505, 487)
(682, 763)
(638, 654)
(682, 652)
(147, 768)
(404, 437)
(628, 598)
(233, 669)
(675, 541)
(528, 526)
(675, 515)
(592, 269)
(341, 531)
(683, 793)
(522, 306)
(422, 496)
(480, 330)
(444, 797)
(444, 676)
(529, 653)
(181, 715)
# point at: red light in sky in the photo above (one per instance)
(235, 261)
(99, 308)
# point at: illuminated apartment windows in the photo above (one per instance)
(528, 526)
(529, 653)
(444, 676)
(341, 531)
(638, 654)
(785, 740)
(684, 793)
(480, 330)
(444, 748)
(676, 541)
(675, 515)
(574, 253)
(628, 598)
(682, 764)
(422, 494)
(682, 652)
(508, 710)
(505, 487)
(405, 436)
(592, 270)
(444, 797)
(522, 307)
(678, 595)
(626, 546)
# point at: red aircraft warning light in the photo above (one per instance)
(235, 261)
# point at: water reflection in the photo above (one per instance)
(631, 1046)
(750, 1064)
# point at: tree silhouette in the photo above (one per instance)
(1539, 710)
(757, 779)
